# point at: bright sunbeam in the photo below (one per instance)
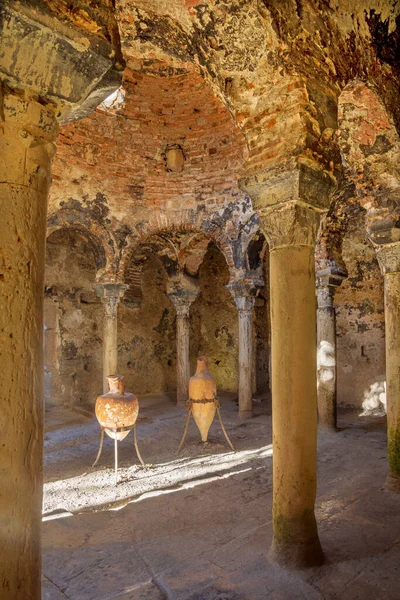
(95, 490)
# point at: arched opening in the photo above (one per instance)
(72, 318)
(214, 322)
(146, 330)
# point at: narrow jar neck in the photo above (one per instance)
(115, 386)
(202, 366)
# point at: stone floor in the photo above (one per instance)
(198, 526)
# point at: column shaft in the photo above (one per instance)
(245, 364)
(26, 150)
(392, 335)
(294, 405)
(110, 340)
(182, 291)
(110, 294)
(182, 356)
(326, 362)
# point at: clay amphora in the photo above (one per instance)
(117, 408)
(202, 395)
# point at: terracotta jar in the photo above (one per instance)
(202, 396)
(117, 408)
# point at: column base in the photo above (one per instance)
(245, 414)
(324, 428)
(392, 484)
(296, 556)
(296, 544)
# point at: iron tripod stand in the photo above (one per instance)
(114, 433)
(189, 405)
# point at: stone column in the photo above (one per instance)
(327, 281)
(244, 301)
(110, 294)
(389, 262)
(182, 291)
(290, 230)
(27, 132)
(50, 81)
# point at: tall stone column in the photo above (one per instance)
(327, 282)
(27, 133)
(182, 291)
(48, 82)
(290, 230)
(244, 297)
(110, 294)
(389, 262)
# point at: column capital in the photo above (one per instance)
(110, 290)
(383, 231)
(388, 256)
(327, 280)
(244, 304)
(244, 293)
(182, 290)
(304, 180)
(290, 224)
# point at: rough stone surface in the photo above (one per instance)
(360, 319)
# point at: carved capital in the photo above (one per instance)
(290, 224)
(182, 290)
(245, 304)
(110, 294)
(110, 307)
(327, 280)
(383, 226)
(182, 307)
(244, 293)
(388, 258)
(303, 180)
(332, 276)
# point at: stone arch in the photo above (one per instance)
(167, 225)
(181, 248)
(97, 234)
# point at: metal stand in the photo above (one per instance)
(118, 430)
(217, 405)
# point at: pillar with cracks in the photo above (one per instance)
(389, 261)
(291, 231)
(26, 148)
(40, 89)
(327, 282)
(110, 294)
(182, 291)
(244, 297)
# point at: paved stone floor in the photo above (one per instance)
(198, 526)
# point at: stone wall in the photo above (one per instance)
(360, 319)
(73, 321)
